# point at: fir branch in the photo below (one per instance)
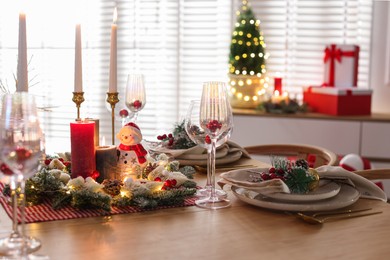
(298, 180)
(188, 171)
(61, 199)
(85, 199)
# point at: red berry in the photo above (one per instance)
(47, 161)
(4, 168)
(214, 125)
(207, 139)
(170, 136)
(164, 136)
(137, 104)
(157, 179)
(124, 113)
(280, 171)
(159, 137)
(173, 182)
(67, 164)
(22, 154)
(95, 174)
(271, 170)
(265, 176)
(168, 183)
(61, 159)
(273, 175)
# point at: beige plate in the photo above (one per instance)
(347, 196)
(229, 158)
(325, 190)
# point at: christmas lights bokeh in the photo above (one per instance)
(247, 68)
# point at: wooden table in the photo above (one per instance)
(238, 232)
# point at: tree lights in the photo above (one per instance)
(247, 60)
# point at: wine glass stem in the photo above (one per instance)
(135, 117)
(212, 167)
(22, 206)
(23, 214)
(208, 179)
(14, 200)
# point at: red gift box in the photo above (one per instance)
(341, 65)
(338, 101)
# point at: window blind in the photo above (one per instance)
(176, 44)
(296, 32)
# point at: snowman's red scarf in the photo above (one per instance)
(138, 149)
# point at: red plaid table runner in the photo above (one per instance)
(44, 212)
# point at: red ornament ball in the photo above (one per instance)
(354, 162)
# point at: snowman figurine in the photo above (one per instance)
(131, 153)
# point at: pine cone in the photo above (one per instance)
(302, 163)
(112, 187)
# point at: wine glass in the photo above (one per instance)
(215, 118)
(21, 149)
(198, 136)
(122, 113)
(135, 93)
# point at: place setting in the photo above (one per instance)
(294, 187)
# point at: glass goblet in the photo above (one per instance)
(21, 149)
(198, 136)
(135, 93)
(122, 113)
(215, 119)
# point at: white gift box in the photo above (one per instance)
(341, 62)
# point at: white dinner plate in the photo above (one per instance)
(325, 190)
(346, 196)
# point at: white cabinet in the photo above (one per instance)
(376, 139)
(368, 136)
(340, 137)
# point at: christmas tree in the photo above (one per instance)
(247, 49)
(247, 60)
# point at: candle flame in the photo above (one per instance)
(115, 16)
(277, 94)
(103, 142)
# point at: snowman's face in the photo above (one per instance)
(129, 137)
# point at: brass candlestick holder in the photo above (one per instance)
(78, 98)
(112, 99)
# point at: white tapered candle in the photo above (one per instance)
(22, 75)
(78, 71)
(112, 87)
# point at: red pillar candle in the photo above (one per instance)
(82, 148)
(278, 85)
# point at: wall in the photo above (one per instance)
(380, 58)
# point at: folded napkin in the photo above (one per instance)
(197, 155)
(367, 188)
(240, 178)
(264, 187)
(177, 152)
